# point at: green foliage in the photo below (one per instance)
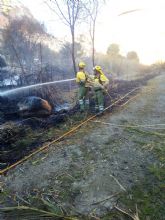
(149, 199)
(144, 132)
(38, 208)
(149, 195)
(132, 55)
(24, 212)
(113, 50)
(23, 143)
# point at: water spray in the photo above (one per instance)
(12, 91)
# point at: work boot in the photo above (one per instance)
(86, 104)
(96, 108)
(101, 109)
(82, 106)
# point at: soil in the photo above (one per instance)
(86, 173)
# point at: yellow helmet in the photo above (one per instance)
(81, 64)
(98, 68)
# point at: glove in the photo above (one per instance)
(82, 83)
(99, 86)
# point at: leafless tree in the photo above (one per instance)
(92, 8)
(69, 12)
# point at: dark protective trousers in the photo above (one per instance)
(83, 97)
(99, 100)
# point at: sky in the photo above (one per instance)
(142, 31)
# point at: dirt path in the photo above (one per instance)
(85, 173)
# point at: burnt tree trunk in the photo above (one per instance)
(73, 50)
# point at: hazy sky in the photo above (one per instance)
(142, 31)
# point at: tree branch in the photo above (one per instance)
(62, 14)
(70, 20)
(65, 21)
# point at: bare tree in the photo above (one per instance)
(92, 9)
(70, 12)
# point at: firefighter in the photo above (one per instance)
(101, 83)
(82, 80)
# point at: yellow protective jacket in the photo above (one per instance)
(101, 79)
(81, 77)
